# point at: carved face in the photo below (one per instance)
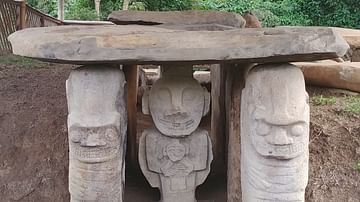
(283, 141)
(177, 105)
(278, 112)
(94, 145)
(175, 151)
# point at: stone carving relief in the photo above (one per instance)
(97, 134)
(275, 134)
(176, 156)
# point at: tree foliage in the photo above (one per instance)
(341, 13)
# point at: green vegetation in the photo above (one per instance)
(10, 59)
(342, 13)
(348, 104)
(321, 100)
(353, 105)
(358, 165)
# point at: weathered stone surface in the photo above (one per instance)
(97, 133)
(146, 44)
(177, 18)
(352, 37)
(345, 75)
(251, 20)
(176, 156)
(177, 102)
(274, 134)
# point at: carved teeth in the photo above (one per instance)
(280, 150)
(93, 154)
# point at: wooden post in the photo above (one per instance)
(97, 8)
(132, 77)
(61, 12)
(126, 4)
(23, 14)
(217, 133)
(42, 21)
(235, 82)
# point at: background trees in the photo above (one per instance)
(342, 13)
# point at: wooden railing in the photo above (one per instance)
(16, 15)
(9, 10)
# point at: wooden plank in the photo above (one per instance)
(217, 133)
(132, 78)
(234, 84)
(153, 45)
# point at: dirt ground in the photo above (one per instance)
(34, 147)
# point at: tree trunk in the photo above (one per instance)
(61, 10)
(126, 4)
(97, 8)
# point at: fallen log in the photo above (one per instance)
(344, 75)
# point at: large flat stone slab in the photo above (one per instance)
(352, 37)
(177, 18)
(133, 44)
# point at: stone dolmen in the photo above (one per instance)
(176, 155)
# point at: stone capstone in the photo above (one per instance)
(177, 18)
(153, 45)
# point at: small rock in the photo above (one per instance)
(358, 151)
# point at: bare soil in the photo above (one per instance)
(34, 147)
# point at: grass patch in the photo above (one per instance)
(10, 59)
(321, 100)
(358, 165)
(353, 105)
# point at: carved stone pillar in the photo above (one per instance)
(176, 156)
(97, 133)
(274, 135)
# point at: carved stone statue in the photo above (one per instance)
(274, 134)
(176, 156)
(97, 134)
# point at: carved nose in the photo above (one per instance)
(92, 140)
(175, 111)
(279, 137)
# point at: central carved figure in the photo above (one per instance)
(176, 156)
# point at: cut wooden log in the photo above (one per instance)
(235, 81)
(152, 45)
(344, 75)
(132, 75)
(218, 114)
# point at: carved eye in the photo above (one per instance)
(262, 128)
(75, 136)
(111, 134)
(164, 94)
(191, 95)
(297, 130)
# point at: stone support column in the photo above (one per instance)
(97, 133)
(274, 134)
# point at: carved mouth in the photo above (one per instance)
(93, 155)
(177, 125)
(280, 151)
